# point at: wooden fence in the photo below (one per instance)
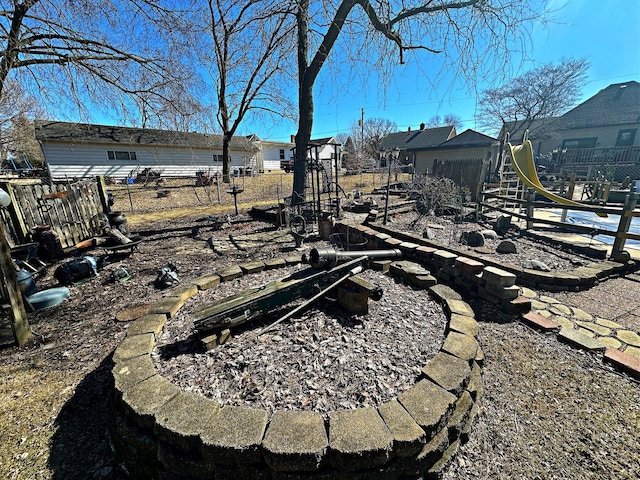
(528, 206)
(70, 208)
(466, 172)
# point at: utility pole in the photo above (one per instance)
(361, 162)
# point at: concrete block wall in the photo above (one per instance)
(160, 431)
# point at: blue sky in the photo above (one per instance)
(605, 32)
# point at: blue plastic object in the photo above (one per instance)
(48, 298)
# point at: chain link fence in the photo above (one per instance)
(160, 194)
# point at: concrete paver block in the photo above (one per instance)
(183, 291)
(142, 400)
(497, 276)
(451, 373)
(579, 339)
(460, 415)
(130, 372)
(629, 337)
(151, 323)
(183, 418)
(628, 363)
(463, 324)
(230, 273)
(206, 282)
(134, 346)
(429, 404)
(167, 305)
(271, 263)
(458, 307)
(443, 292)
(252, 267)
(408, 437)
(295, 441)
(461, 345)
(540, 322)
(234, 434)
(358, 439)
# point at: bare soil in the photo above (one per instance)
(548, 411)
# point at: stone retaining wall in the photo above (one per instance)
(464, 269)
(160, 431)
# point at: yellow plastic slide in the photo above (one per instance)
(522, 161)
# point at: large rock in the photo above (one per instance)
(503, 224)
(506, 246)
(473, 239)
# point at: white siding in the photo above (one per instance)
(81, 160)
(271, 154)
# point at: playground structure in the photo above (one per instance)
(524, 165)
(518, 168)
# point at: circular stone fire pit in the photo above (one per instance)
(161, 430)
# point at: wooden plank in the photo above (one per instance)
(17, 313)
(15, 215)
(82, 204)
(250, 303)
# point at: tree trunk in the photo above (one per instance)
(226, 158)
(303, 138)
(305, 106)
(12, 48)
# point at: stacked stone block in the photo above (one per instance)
(581, 278)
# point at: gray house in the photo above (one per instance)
(415, 145)
(601, 131)
(76, 150)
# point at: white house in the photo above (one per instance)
(273, 153)
(83, 150)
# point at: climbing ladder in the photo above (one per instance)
(510, 186)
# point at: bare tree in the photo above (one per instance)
(541, 93)
(250, 41)
(449, 119)
(476, 36)
(17, 110)
(375, 129)
(69, 52)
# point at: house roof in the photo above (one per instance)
(418, 139)
(467, 139)
(52, 131)
(617, 104)
(538, 128)
(324, 141)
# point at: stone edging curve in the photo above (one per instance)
(160, 431)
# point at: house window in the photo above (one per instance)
(217, 158)
(626, 137)
(281, 154)
(121, 155)
(574, 143)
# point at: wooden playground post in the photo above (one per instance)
(531, 198)
(625, 222)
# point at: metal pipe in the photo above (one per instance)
(329, 256)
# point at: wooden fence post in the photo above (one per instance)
(625, 222)
(11, 294)
(102, 193)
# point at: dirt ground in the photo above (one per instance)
(548, 411)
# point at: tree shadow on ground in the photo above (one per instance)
(80, 447)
